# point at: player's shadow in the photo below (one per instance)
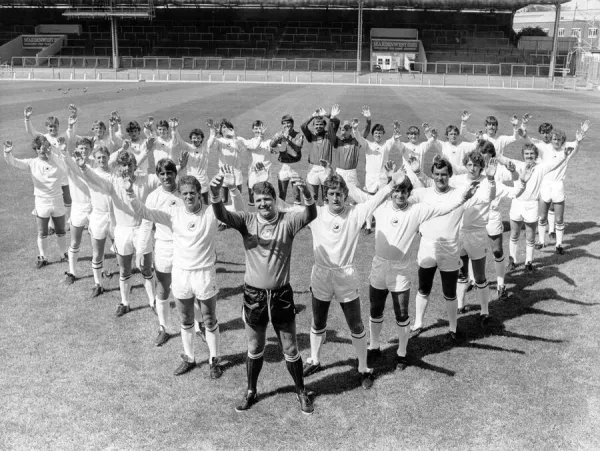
(228, 271)
(231, 263)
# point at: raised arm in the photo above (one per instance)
(232, 219)
(91, 177)
(463, 126)
(10, 159)
(429, 211)
(366, 112)
(28, 126)
(305, 130)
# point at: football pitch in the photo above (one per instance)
(75, 377)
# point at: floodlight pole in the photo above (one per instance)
(554, 42)
(360, 37)
(115, 42)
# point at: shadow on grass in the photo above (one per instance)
(228, 271)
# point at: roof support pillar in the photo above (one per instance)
(554, 42)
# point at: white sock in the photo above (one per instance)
(512, 249)
(125, 287)
(500, 270)
(150, 289)
(97, 271)
(360, 344)
(560, 232)
(403, 330)
(542, 232)
(213, 340)
(551, 221)
(163, 311)
(451, 306)
(421, 306)
(375, 326)
(43, 246)
(187, 338)
(73, 259)
(461, 290)
(317, 338)
(529, 252)
(483, 296)
(62, 244)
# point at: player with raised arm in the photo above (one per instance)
(139, 148)
(490, 133)
(552, 191)
(163, 198)
(127, 221)
(288, 143)
(525, 208)
(319, 145)
(52, 136)
(194, 276)
(455, 151)
(398, 222)
(268, 236)
(346, 152)
(259, 149)
(439, 247)
(230, 147)
(46, 173)
(335, 237)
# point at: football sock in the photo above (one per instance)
(97, 271)
(451, 307)
(213, 340)
(375, 326)
(150, 288)
(421, 306)
(317, 338)
(360, 344)
(542, 231)
(500, 270)
(187, 338)
(125, 288)
(72, 253)
(403, 329)
(461, 290)
(163, 312)
(483, 296)
(551, 221)
(43, 246)
(254, 364)
(62, 244)
(294, 366)
(560, 232)
(512, 248)
(529, 252)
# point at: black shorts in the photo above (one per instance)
(262, 305)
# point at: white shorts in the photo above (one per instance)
(286, 172)
(494, 226)
(198, 283)
(374, 181)
(474, 243)
(524, 211)
(100, 224)
(552, 191)
(125, 239)
(445, 255)
(349, 176)
(325, 283)
(46, 207)
(163, 256)
(80, 214)
(317, 175)
(389, 275)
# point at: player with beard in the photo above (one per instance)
(268, 235)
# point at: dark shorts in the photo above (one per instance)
(261, 305)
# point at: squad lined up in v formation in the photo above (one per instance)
(148, 190)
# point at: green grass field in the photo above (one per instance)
(75, 377)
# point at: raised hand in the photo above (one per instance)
(526, 175)
(464, 117)
(491, 168)
(389, 168)
(414, 164)
(297, 181)
(79, 159)
(365, 110)
(149, 123)
(425, 126)
(173, 122)
(322, 112)
(396, 125)
(511, 166)
(522, 133)
(471, 190)
(210, 123)
(228, 176)
(579, 136)
(335, 110)
(585, 126)
(354, 123)
(262, 129)
(28, 112)
(126, 144)
(73, 109)
(434, 133)
(215, 185)
(514, 120)
(8, 146)
(72, 120)
(150, 144)
(257, 167)
(478, 135)
(526, 118)
(183, 159)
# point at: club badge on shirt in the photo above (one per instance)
(191, 226)
(336, 227)
(266, 233)
(173, 203)
(394, 221)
